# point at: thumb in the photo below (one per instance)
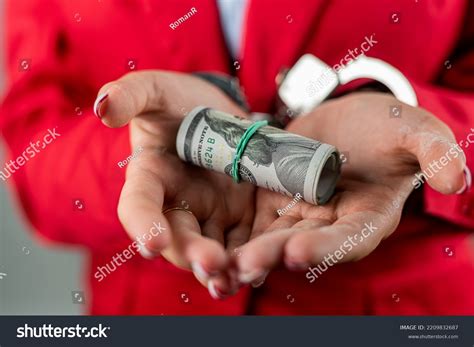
(441, 159)
(135, 93)
(168, 94)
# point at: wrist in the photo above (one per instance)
(229, 85)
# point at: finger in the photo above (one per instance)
(135, 93)
(237, 236)
(170, 94)
(189, 249)
(263, 219)
(240, 234)
(261, 254)
(222, 286)
(140, 213)
(351, 238)
(257, 257)
(205, 257)
(441, 159)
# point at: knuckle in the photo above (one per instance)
(428, 122)
(123, 213)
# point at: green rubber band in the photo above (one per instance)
(244, 140)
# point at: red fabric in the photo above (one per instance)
(72, 48)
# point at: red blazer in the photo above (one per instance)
(61, 52)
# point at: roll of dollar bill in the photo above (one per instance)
(273, 158)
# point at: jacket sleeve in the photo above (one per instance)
(457, 111)
(451, 99)
(61, 161)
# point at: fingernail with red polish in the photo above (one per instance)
(467, 181)
(215, 292)
(99, 105)
(467, 173)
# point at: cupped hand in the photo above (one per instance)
(384, 150)
(154, 103)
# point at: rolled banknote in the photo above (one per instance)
(273, 158)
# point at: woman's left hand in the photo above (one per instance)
(383, 154)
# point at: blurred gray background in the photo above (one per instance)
(38, 280)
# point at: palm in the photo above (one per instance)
(213, 198)
(157, 179)
(383, 154)
(355, 203)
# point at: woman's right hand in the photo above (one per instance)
(153, 103)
